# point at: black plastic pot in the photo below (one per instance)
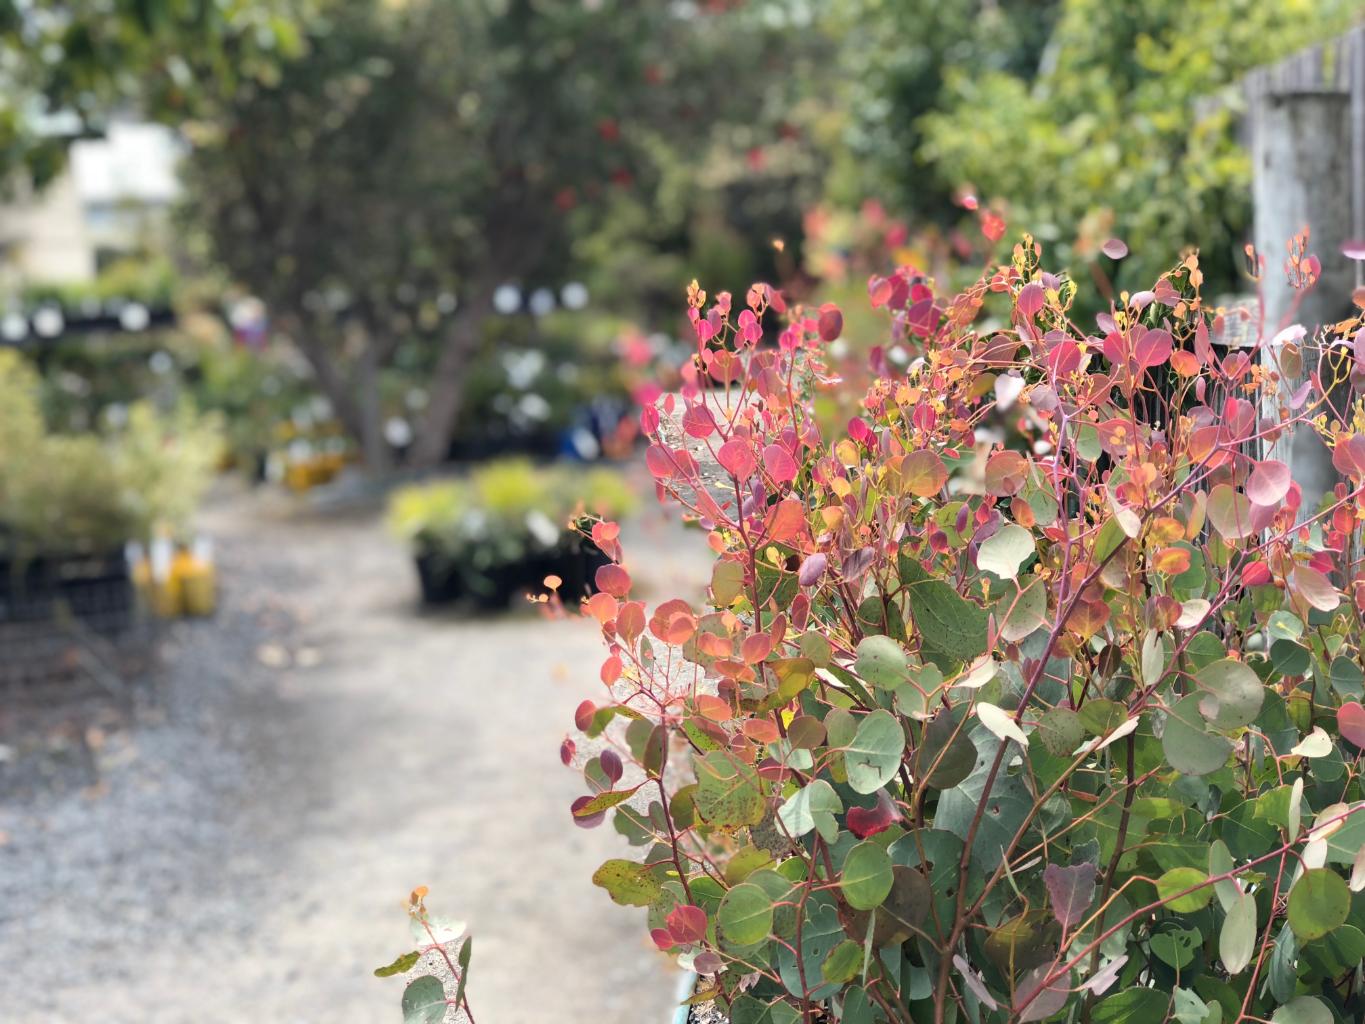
(95, 589)
(444, 581)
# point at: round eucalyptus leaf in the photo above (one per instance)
(745, 915)
(1189, 749)
(1319, 902)
(866, 878)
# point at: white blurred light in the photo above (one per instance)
(507, 299)
(161, 363)
(134, 317)
(542, 302)
(446, 303)
(397, 432)
(14, 327)
(48, 322)
(574, 295)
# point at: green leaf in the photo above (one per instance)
(843, 963)
(745, 915)
(1005, 551)
(727, 583)
(1319, 902)
(947, 622)
(462, 958)
(1176, 946)
(1061, 731)
(1131, 1006)
(1177, 880)
(1233, 693)
(882, 662)
(748, 1010)
(401, 965)
(874, 755)
(627, 883)
(812, 807)
(946, 754)
(1237, 940)
(1189, 749)
(866, 877)
(603, 801)
(1021, 609)
(1304, 1010)
(424, 1001)
(1102, 716)
(729, 794)
(1288, 658)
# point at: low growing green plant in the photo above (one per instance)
(502, 513)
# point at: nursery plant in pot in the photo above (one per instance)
(503, 529)
(70, 503)
(1033, 693)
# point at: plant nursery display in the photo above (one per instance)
(504, 528)
(1034, 693)
(69, 504)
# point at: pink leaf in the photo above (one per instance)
(697, 421)
(1269, 483)
(1070, 890)
(1115, 249)
(779, 464)
(1349, 456)
(1153, 348)
(812, 569)
(1316, 589)
(1230, 512)
(737, 458)
(1353, 249)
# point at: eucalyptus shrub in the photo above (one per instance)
(1032, 694)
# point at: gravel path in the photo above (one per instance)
(316, 751)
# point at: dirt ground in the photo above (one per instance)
(241, 851)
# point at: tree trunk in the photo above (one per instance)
(437, 427)
(373, 445)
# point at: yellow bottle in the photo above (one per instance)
(198, 580)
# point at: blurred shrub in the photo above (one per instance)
(503, 511)
(1132, 107)
(65, 493)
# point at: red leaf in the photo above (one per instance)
(1351, 722)
(612, 579)
(567, 749)
(868, 821)
(1315, 588)
(583, 715)
(831, 322)
(787, 521)
(687, 923)
(992, 225)
(697, 421)
(611, 764)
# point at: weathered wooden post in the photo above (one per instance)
(1307, 174)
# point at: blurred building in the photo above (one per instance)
(113, 198)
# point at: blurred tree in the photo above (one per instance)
(1125, 127)
(898, 56)
(424, 154)
(66, 64)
